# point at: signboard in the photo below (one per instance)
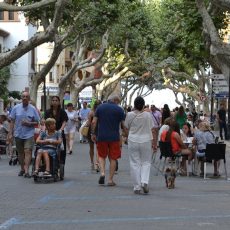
(222, 95)
(220, 86)
(219, 82)
(218, 77)
(220, 89)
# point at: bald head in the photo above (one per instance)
(114, 98)
(25, 98)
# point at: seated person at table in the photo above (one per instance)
(48, 140)
(186, 134)
(178, 147)
(165, 126)
(202, 137)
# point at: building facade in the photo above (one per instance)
(16, 28)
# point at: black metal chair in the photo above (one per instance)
(166, 153)
(215, 152)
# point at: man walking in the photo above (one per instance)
(221, 117)
(24, 117)
(108, 118)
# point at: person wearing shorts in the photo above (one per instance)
(24, 117)
(48, 140)
(108, 118)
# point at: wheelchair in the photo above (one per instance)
(56, 169)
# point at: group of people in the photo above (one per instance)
(142, 126)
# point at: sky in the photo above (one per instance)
(161, 97)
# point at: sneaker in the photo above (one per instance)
(21, 173)
(145, 188)
(27, 175)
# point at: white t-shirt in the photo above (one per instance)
(140, 126)
(71, 123)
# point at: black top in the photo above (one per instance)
(165, 114)
(222, 114)
(194, 116)
(60, 118)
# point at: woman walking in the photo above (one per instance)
(61, 118)
(139, 124)
(181, 117)
(70, 127)
(94, 165)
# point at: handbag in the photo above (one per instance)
(85, 131)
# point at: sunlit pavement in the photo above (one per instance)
(79, 202)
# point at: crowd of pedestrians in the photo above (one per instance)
(109, 125)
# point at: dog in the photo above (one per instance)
(170, 176)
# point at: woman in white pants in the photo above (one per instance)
(139, 124)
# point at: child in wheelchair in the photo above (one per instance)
(48, 142)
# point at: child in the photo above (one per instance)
(48, 140)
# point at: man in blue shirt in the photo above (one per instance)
(24, 117)
(108, 119)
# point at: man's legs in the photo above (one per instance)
(28, 157)
(102, 165)
(112, 169)
(114, 152)
(21, 154)
(28, 146)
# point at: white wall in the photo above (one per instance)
(20, 69)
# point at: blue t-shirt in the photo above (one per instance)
(20, 113)
(109, 117)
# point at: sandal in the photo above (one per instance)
(111, 183)
(46, 173)
(35, 173)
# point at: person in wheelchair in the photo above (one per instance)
(48, 140)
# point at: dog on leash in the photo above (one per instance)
(170, 176)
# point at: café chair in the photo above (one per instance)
(215, 152)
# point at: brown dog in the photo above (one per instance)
(170, 176)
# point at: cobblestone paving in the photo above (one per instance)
(79, 202)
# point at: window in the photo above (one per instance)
(11, 15)
(51, 77)
(1, 15)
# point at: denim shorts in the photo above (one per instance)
(52, 152)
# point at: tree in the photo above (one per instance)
(49, 28)
(4, 78)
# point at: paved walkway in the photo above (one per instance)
(79, 202)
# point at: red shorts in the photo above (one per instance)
(109, 148)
